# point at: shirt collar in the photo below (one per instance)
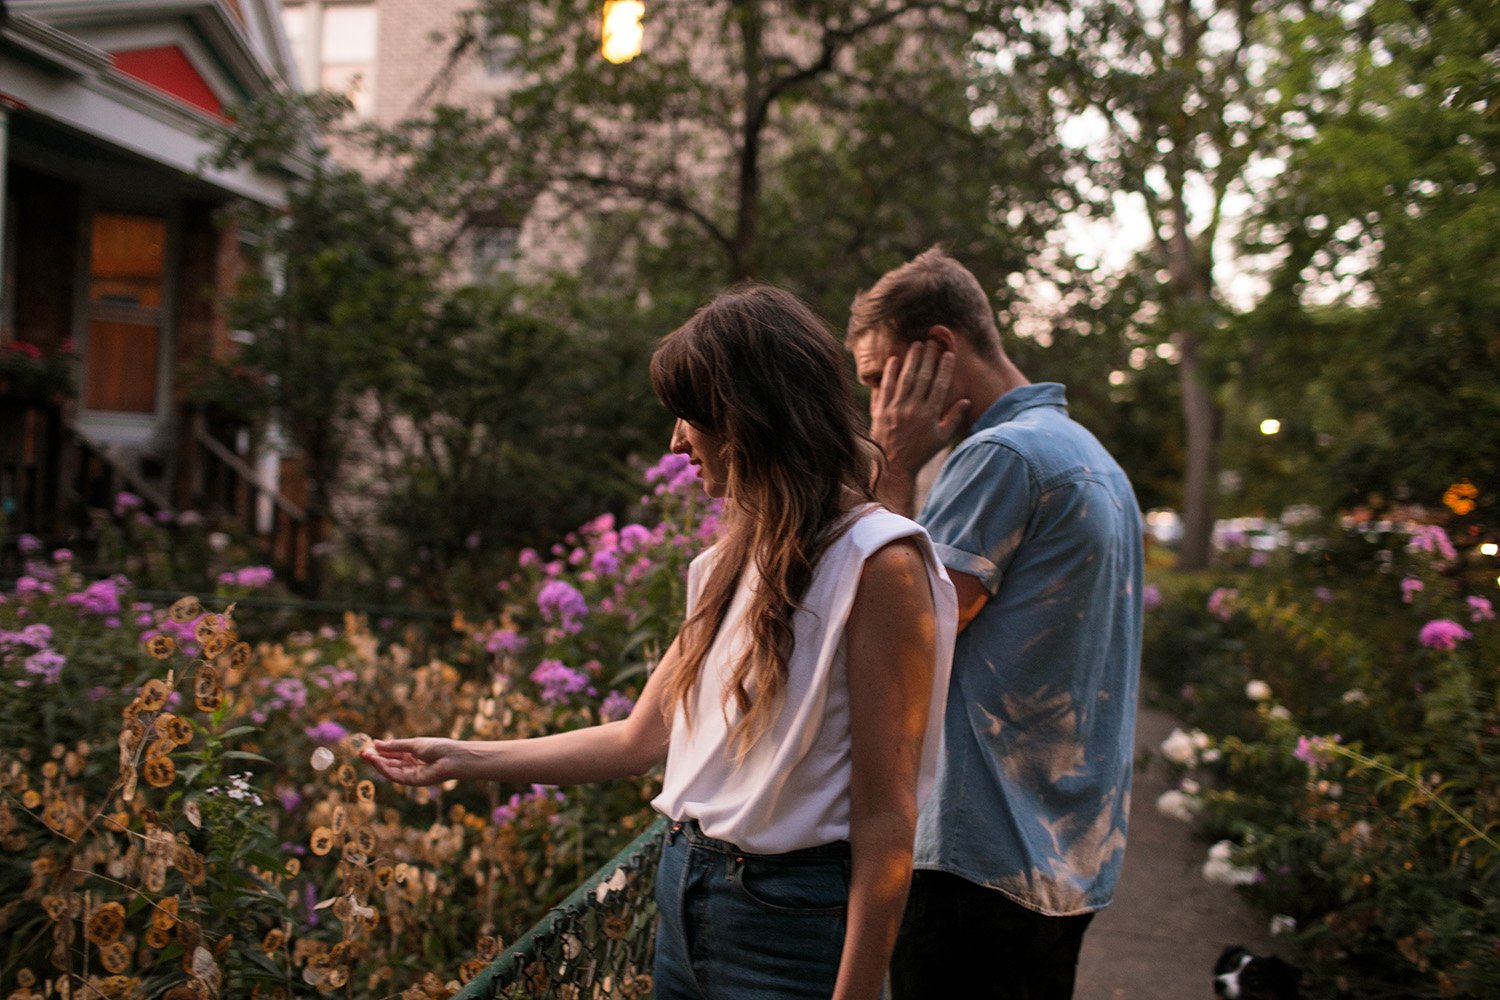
(1022, 397)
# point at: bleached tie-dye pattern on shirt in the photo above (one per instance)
(1033, 792)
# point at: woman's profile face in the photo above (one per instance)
(706, 451)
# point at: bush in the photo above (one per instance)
(1348, 695)
(184, 814)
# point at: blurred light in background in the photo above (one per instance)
(622, 33)
(1269, 427)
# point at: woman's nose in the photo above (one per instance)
(679, 439)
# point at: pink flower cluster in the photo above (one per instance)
(558, 681)
(249, 577)
(1443, 633)
(1221, 603)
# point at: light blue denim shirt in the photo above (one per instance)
(1033, 789)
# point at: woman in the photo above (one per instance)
(799, 708)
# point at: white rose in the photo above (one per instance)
(1258, 691)
(1178, 748)
(1281, 712)
(1177, 805)
(1354, 696)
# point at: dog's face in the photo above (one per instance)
(1239, 975)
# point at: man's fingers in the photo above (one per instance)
(954, 414)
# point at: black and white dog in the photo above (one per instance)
(1239, 975)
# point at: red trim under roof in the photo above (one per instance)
(167, 68)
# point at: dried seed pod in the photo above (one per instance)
(240, 655)
(215, 644)
(159, 771)
(115, 956)
(105, 924)
(161, 646)
(154, 694)
(185, 609)
(321, 841)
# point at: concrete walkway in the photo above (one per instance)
(1160, 937)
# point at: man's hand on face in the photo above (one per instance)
(908, 417)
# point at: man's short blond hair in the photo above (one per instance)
(930, 290)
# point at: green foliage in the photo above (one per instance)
(1356, 750)
(1379, 334)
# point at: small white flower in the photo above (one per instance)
(1178, 748)
(1258, 691)
(1201, 740)
(322, 759)
(1177, 805)
(1221, 851)
(218, 541)
(1210, 755)
(1283, 924)
(1189, 786)
(1280, 712)
(1354, 696)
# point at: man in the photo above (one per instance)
(1022, 839)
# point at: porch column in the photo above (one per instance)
(7, 307)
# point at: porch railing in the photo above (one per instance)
(597, 943)
(225, 482)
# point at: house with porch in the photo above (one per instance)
(115, 264)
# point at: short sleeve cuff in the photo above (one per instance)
(980, 568)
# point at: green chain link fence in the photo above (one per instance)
(597, 943)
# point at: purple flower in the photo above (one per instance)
(1410, 587)
(1315, 751)
(1480, 609)
(62, 555)
(1443, 633)
(27, 544)
(1151, 597)
(674, 473)
(1221, 603)
(1431, 538)
(102, 597)
(633, 537)
(46, 664)
(125, 501)
(528, 558)
(326, 731)
(615, 706)
(1323, 594)
(606, 562)
(1259, 559)
(558, 681)
(505, 640)
(559, 601)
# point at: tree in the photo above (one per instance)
(1172, 101)
(810, 142)
(1381, 322)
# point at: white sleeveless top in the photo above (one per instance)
(792, 789)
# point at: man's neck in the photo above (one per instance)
(988, 381)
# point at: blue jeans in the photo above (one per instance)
(740, 926)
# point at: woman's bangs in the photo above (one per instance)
(682, 381)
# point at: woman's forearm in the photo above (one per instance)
(596, 753)
(878, 882)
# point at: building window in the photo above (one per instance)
(335, 45)
(492, 250)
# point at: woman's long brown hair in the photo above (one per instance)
(757, 368)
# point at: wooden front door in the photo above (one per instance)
(126, 292)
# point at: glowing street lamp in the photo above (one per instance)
(622, 34)
(1269, 427)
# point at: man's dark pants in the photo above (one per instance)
(960, 939)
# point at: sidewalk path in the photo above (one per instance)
(1160, 937)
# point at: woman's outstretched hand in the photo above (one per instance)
(424, 760)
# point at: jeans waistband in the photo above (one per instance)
(693, 833)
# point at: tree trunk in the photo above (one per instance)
(1199, 488)
(747, 211)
